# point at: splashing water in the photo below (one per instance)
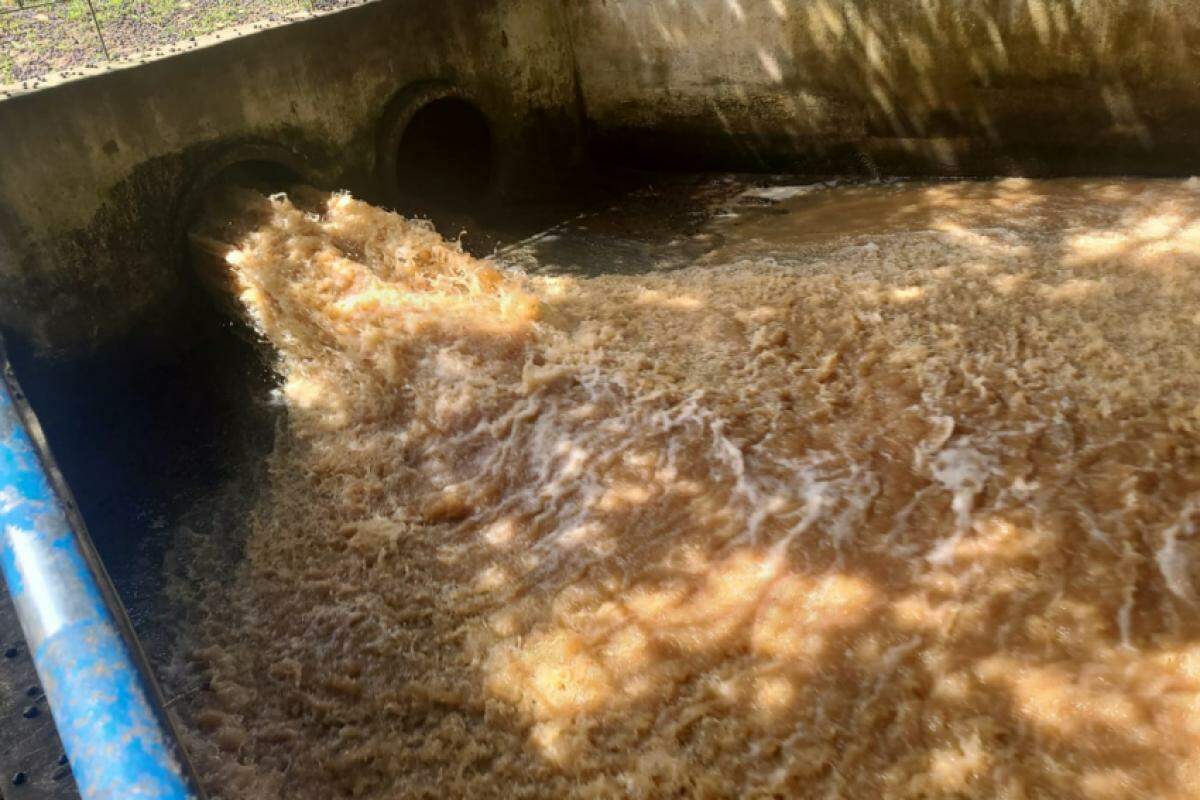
(906, 508)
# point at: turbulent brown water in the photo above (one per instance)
(895, 495)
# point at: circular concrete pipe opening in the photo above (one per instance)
(259, 168)
(258, 174)
(214, 217)
(444, 158)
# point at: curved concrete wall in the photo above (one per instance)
(900, 86)
(95, 173)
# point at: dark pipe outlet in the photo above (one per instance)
(444, 160)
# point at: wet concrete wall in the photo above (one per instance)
(962, 87)
(97, 174)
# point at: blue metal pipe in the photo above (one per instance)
(104, 701)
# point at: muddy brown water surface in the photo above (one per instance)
(876, 490)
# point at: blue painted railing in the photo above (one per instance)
(118, 740)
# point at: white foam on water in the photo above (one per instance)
(905, 510)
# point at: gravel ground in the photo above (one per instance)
(58, 38)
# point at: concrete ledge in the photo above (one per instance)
(97, 171)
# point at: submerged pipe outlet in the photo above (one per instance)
(108, 714)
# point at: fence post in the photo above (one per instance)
(99, 33)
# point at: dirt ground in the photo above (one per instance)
(38, 39)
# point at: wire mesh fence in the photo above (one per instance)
(39, 37)
(23, 6)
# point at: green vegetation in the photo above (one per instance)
(50, 38)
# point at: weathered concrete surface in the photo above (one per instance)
(95, 173)
(901, 86)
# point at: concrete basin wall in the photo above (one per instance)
(958, 87)
(97, 174)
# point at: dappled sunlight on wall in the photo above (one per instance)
(943, 85)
